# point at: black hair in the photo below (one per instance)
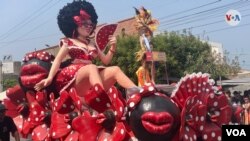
(65, 17)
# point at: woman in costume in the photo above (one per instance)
(246, 113)
(143, 72)
(77, 21)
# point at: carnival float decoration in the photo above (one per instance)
(194, 111)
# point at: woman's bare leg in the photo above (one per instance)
(111, 75)
(87, 77)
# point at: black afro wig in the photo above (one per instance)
(65, 17)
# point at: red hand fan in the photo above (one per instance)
(102, 35)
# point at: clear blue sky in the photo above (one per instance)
(27, 25)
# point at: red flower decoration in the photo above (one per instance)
(82, 16)
(14, 97)
(86, 126)
(98, 99)
(61, 124)
(193, 118)
(219, 111)
(118, 103)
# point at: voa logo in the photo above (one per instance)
(236, 132)
(233, 17)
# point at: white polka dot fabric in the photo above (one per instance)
(202, 111)
(103, 34)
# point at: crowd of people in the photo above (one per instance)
(242, 100)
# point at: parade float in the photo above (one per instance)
(195, 110)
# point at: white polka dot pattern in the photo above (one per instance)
(194, 94)
(102, 35)
(43, 56)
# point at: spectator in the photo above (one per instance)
(7, 125)
(237, 99)
(246, 114)
(228, 95)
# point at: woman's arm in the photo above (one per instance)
(57, 62)
(54, 68)
(106, 58)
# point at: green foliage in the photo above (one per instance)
(184, 52)
(187, 54)
(125, 56)
(8, 83)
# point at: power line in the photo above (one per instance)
(211, 23)
(23, 21)
(222, 29)
(26, 21)
(30, 31)
(189, 9)
(27, 39)
(201, 13)
(198, 18)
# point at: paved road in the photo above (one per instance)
(12, 139)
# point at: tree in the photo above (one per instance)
(185, 54)
(7, 83)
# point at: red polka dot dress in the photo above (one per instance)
(81, 57)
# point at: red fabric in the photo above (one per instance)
(203, 111)
(118, 103)
(118, 134)
(64, 103)
(12, 108)
(16, 94)
(86, 126)
(60, 126)
(98, 99)
(193, 118)
(65, 77)
(43, 56)
(40, 133)
(211, 132)
(146, 90)
(31, 113)
(219, 110)
(73, 136)
(67, 102)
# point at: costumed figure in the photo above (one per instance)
(145, 25)
(77, 21)
(143, 72)
(246, 112)
(86, 97)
